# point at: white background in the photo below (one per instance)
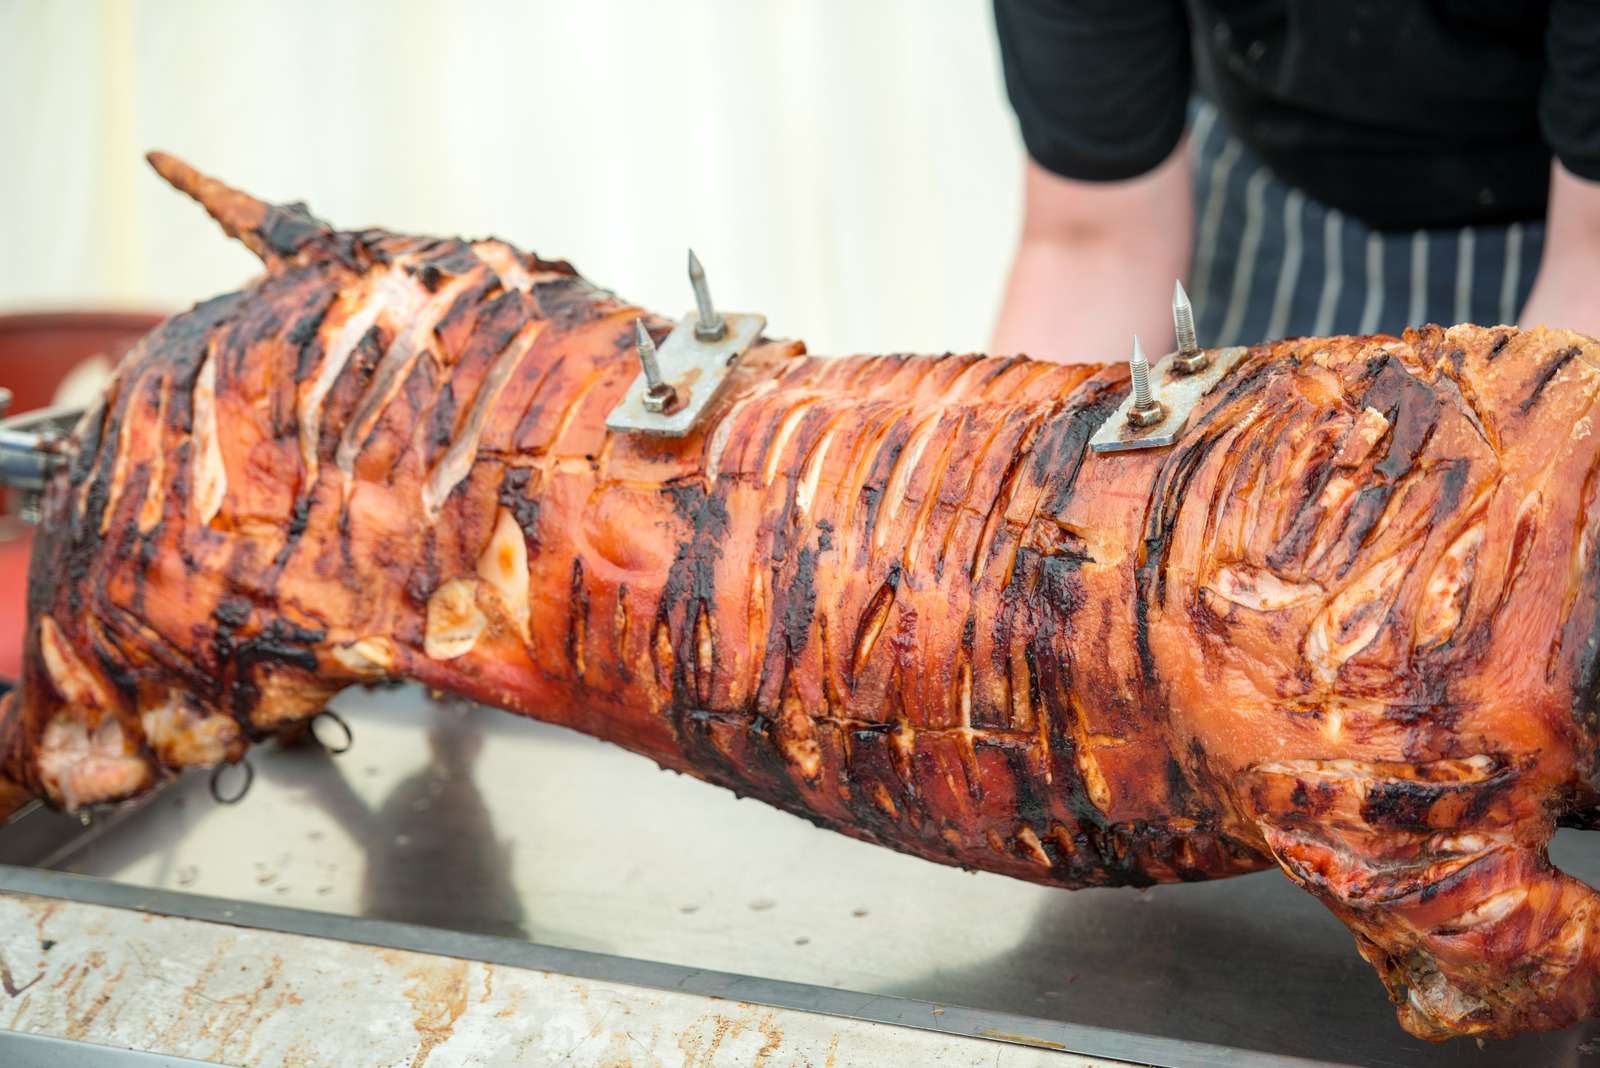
(848, 167)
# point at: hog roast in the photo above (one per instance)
(1346, 625)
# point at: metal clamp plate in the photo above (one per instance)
(1180, 393)
(695, 369)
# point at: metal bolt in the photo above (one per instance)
(709, 324)
(1139, 366)
(1183, 319)
(1190, 357)
(1145, 410)
(659, 397)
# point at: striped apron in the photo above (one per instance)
(1270, 262)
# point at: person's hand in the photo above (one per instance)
(1566, 292)
(1095, 264)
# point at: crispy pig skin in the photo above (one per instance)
(1347, 625)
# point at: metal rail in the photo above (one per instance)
(891, 1011)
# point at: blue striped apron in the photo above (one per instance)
(1270, 262)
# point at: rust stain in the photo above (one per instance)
(43, 911)
(10, 983)
(690, 1041)
(79, 1027)
(22, 1008)
(229, 1023)
(727, 1029)
(701, 1053)
(774, 1038)
(513, 1003)
(438, 996)
(91, 963)
(719, 1032)
(189, 1017)
(1021, 1040)
(301, 1054)
(237, 1038)
(616, 1053)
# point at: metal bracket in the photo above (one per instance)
(1178, 392)
(696, 370)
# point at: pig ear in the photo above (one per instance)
(273, 232)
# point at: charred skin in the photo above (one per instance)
(1347, 625)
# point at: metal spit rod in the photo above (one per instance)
(29, 449)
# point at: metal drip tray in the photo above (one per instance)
(467, 823)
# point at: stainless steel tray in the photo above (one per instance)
(466, 820)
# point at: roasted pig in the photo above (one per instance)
(1349, 625)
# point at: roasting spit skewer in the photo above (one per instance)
(680, 378)
(1163, 395)
(30, 449)
(1145, 409)
(1189, 357)
(710, 326)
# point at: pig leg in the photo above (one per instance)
(1440, 871)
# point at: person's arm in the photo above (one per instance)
(1566, 291)
(1100, 89)
(1095, 264)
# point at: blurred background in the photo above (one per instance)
(850, 169)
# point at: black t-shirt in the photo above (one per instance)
(1403, 113)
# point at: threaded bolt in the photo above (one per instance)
(1140, 368)
(659, 397)
(709, 324)
(1183, 320)
(1145, 409)
(1190, 357)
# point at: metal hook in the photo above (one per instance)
(222, 769)
(333, 717)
